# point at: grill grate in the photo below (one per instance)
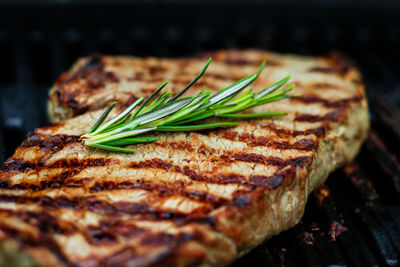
(363, 198)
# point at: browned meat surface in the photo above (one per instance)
(190, 198)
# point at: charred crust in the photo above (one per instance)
(333, 116)
(131, 99)
(162, 190)
(276, 180)
(18, 165)
(97, 235)
(157, 69)
(154, 163)
(240, 61)
(106, 229)
(319, 131)
(32, 140)
(206, 55)
(93, 74)
(268, 182)
(57, 142)
(228, 134)
(339, 63)
(130, 254)
(325, 86)
(227, 178)
(342, 103)
(137, 76)
(121, 257)
(242, 200)
(77, 109)
(114, 209)
(50, 144)
(252, 140)
(71, 167)
(321, 69)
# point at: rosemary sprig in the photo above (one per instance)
(177, 113)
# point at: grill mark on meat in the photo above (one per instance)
(325, 86)
(130, 101)
(228, 134)
(271, 160)
(59, 180)
(190, 173)
(270, 182)
(302, 144)
(339, 63)
(245, 61)
(228, 156)
(43, 240)
(319, 131)
(153, 79)
(75, 163)
(76, 108)
(224, 157)
(162, 190)
(129, 253)
(57, 142)
(137, 76)
(103, 233)
(254, 141)
(52, 143)
(315, 85)
(219, 178)
(31, 141)
(276, 180)
(114, 209)
(71, 167)
(53, 182)
(18, 165)
(109, 231)
(333, 116)
(321, 69)
(342, 103)
(156, 69)
(220, 76)
(177, 188)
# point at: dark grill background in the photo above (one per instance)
(39, 41)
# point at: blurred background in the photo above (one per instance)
(41, 39)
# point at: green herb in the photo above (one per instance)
(171, 114)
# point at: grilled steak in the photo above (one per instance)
(201, 198)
